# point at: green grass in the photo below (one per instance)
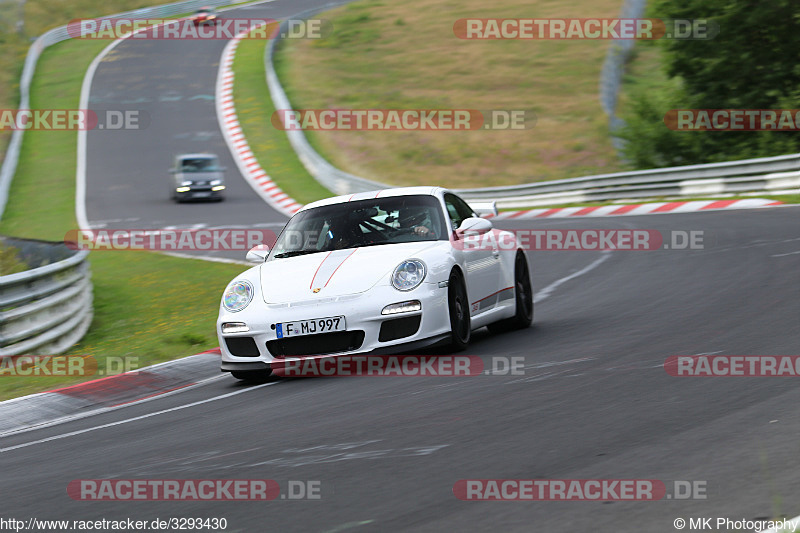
(399, 55)
(269, 145)
(10, 263)
(148, 307)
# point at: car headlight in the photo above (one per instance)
(237, 296)
(408, 274)
(215, 182)
(186, 182)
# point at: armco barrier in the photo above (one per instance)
(57, 35)
(47, 309)
(751, 175)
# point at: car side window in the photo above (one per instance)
(457, 209)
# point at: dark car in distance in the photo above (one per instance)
(197, 177)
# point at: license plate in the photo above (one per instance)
(201, 194)
(310, 327)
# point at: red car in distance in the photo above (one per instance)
(204, 15)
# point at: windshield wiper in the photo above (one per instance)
(293, 253)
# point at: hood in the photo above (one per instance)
(337, 273)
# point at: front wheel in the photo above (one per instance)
(458, 304)
(523, 292)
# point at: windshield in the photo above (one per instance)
(199, 164)
(363, 223)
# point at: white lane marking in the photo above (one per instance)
(209, 258)
(349, 525)
(135, 418)
(547, 291)
(80, 172)
(101, 410)
(784, 255)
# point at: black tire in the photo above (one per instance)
(252, 376)
(523, 294)
(458, 305)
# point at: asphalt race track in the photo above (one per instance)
(594, 403)
(170, 83)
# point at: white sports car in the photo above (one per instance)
(376, 272)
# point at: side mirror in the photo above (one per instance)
(258, 254)
(474, 226)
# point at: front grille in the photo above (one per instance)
(397, 328)
(242, 346)
(322, 344)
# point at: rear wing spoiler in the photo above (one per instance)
(484, 209)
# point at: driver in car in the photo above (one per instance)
(418, 220)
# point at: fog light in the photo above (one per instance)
(234, 327)
(182, 189)
(402, 307)
(218, 188)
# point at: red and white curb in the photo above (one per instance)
(255, 176)
(52, 407)
(655, 208)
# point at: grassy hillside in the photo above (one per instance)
(405, 55)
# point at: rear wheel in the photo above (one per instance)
(458, 304)
(523, 292)
(252, 376)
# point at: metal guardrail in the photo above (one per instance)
(47, 309)
(57, 35)
(751, 175)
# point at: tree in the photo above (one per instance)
(752, 63)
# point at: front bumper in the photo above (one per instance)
(362, 313)
(200, 193)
